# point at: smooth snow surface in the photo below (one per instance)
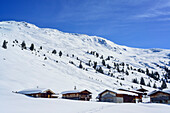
(21, 104)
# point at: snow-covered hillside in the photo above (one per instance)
(24, 69)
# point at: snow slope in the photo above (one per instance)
(25, 69)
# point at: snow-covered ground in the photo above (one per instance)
(15, 103)
(24, 69)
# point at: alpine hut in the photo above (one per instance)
(117, 96)
(38, 93)
(77, 95)
(160, 96)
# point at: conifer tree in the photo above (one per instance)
(164, 85)
(54, 51)
(135, 81)
(60, 53)
(32, 47)
(149, 85)
(97, 54)
(23, 45)
(142, 82)
(100, 70)
(108, 58)
(147, 71)
(127, 73)
(154, 86)
(95, 65)
(41, 47)
(101, 57)
(103, 62)
(89, 63)
(80, 65)
(108, 66)
(4, 45)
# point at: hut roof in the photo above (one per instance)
(35, 90)
(167, 91)
(133, 91)
(74, 91)
(120, 92)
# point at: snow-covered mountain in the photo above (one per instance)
(23, 68)
(60, 61)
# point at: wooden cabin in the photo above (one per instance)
(138, 98)
(160, 96)
(77, 95)
(38, 93)
(117, 96)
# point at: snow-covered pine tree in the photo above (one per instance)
(23, 45)
(60, 53)
(80, 65)
(54, 51)
(154, 86)
(164, 85)
(4, 45)
(32, 47)
(142, 82)
(103, 62)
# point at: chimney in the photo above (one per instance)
(74, 87)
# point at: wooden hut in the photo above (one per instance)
(138, 98)
(77, 95)
(38, 93)
(160, 96)
(117, 96)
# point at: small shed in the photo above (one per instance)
(117, 96)
(77, 95)
(38, 93)
(160, 96)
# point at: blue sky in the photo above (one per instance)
(134, 23)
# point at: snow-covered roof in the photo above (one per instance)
(164, 91)
(72, 91)
(33, 91)
(134, 91)
(125, 92)
(121, 92)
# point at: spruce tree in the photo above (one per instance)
(108, 58)
(142, 82)
(32, 47)
(135, 81)
(54, 51)
(127, 73)
(108, 66)
(154, 86)
(103, 62)
(101, 57)
(149, 85)
(80, 65)
(23, 45)
(89, 63)
(95, 65)
(97, 54)
(163, 86)
(60, 53)
(100, 70)
(4, 45)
